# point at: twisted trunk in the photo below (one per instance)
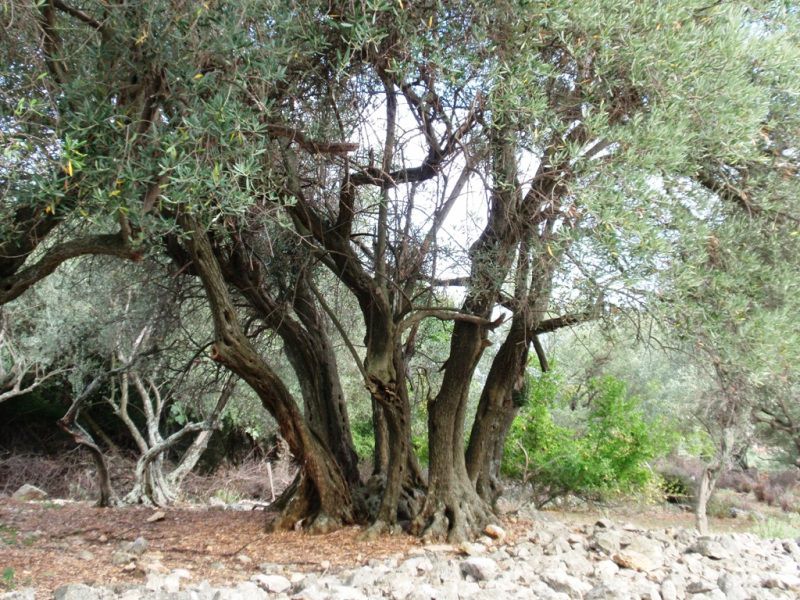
(310, 352)
(326, 501)
(453, 509)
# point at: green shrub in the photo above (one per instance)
(363, 438)
(419, 442)
(609, 456)
(776, 528)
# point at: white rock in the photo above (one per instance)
(471, 549)
(250, 591)
(733, 586)
(782, 581)
(344, 592)
(561, 582)
(28, 493)
(76, 591)
(605, 569)
(631, 559)
(23, 594)
(424, 592)
(481, 568)
(271, 583)
(709, 548)
(669, 590)
(416, 565)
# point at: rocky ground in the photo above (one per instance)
(551, 560)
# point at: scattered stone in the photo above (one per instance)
(782, 581)
(440, 548)
(416, 565)
(669, 591)
(709, 548)
(495, 532)
(605, 569)
(249, 591)
(23, 594)
(606, 591)
(76, 591)
(244, 559)
(85, 555)
(159, 515)
(733, 587)
(29, 493)
(471, 549)
(120, 558)
(138, 546)
(276, 584)
(699, 587)
(607, 541)
(567, 584)
(603, 524)
(480, 568)
(424, 592)
(631, 559)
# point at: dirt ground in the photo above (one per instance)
(47, 544)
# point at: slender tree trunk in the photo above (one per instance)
(326, 407)
(709, 477)
(497, 409)
(69, 424)
(452, 507)
(380, 455)
(81, 437)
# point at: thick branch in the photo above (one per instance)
(82, 16)
(13, 286)
(310, 145)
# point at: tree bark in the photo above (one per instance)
(326, 502)
(380, 455)
(709, 477)
(453, 509)
(69, 424)
(309, 350)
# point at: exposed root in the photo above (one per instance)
(379, 528)
(459, 517)
(409, 503)
(322, 523)
(300, 509)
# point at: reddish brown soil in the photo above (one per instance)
(42, 543)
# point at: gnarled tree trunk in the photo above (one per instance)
(326, 501)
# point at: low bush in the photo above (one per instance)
(742, 481)
(776, 528)
(781, 488)
(609, 456)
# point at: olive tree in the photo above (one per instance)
(363, 132)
